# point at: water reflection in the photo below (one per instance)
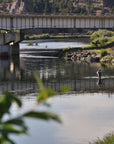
(54, 72)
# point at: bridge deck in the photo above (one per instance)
(18, 22)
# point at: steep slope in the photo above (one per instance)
(20, 6)
(84, 7)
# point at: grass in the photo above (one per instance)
(42, 36)
(108, 139)
(55, 36)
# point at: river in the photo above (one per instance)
(87, 113)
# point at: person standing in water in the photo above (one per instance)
(99, 73)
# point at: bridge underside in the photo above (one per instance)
(57, 30)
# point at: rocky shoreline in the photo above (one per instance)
(82, 56)
(85, 56)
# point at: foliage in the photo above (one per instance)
(107, 59)
(108, 139)
(33, 37)
(44, 36)
(16, 125)
(101, 33)
(65, 89)
(101, 38)
(68, 48)
(103, 53)
(62, 6)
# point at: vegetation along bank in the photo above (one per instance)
(101, 49)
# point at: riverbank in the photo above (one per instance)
(56, 36)
(100, 50)
(88, 56)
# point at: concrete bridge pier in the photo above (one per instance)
(9, 44)
(5, 51)
(14, 49)
(9, 50)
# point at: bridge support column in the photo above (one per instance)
(15, 49)
(9, 44)
(5, 50)
(9, 50)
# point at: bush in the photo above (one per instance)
(99, 42)
(101, 38)
(101, 33)
(103, 53)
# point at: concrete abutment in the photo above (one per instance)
(9, 44)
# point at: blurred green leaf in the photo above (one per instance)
(5, 129)
(40, 83)
(16, 121)
(6, 102)
(17, 100)
(65, 89)
(43, 115)
(4, 140)
(45, 94)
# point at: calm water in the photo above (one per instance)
(86, 115)
(54, 44)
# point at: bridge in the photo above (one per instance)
(20, 22)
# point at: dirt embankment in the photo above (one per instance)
(19, 7)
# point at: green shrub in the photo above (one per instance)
(101, 38)
(99, 42)
(101, 33)
(103, 53)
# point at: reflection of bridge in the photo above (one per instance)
(78, 85)
(18, 22)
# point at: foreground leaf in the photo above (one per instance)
(40, 83)
(6, 129)
(4, 140)
(45, 94)
(65, 89)
(16, 121)
(43, 115)
(6, 102)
